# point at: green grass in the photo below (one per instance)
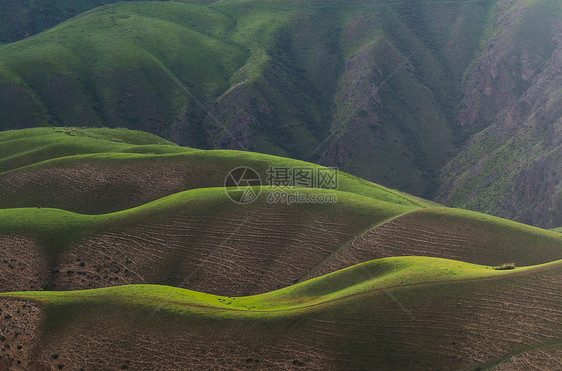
(118, 135)
(350, 316)
(370, 305)
(277, 67)
(25, 147)
(57, 229)
(361, 279)
(447, 213)
(53, 148)
(28, 17)
(42, 148)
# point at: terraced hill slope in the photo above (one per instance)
(236, 249)
(139, 225)
(335, 285)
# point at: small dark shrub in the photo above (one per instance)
(505, 266)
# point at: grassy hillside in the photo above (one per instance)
(301, 297)
(96, 171)
(439, 99)
(118, 212)
(452, 234)
(26, 147)
(21, 19)
(379, 79)
(163, 241)
(147, 234)
(461, 317)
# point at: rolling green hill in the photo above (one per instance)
(125, 241)
(91, 170)
(146, 204)
(27, 147)
(128, 202)
(344, 319)
(122, 249)
(200, 230)
(163, 241)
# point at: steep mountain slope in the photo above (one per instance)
(459, 316)
(344, 83)
(513, 168)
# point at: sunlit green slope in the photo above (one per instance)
(444, 314)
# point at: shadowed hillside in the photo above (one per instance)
(340, 82)
(513, 168)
